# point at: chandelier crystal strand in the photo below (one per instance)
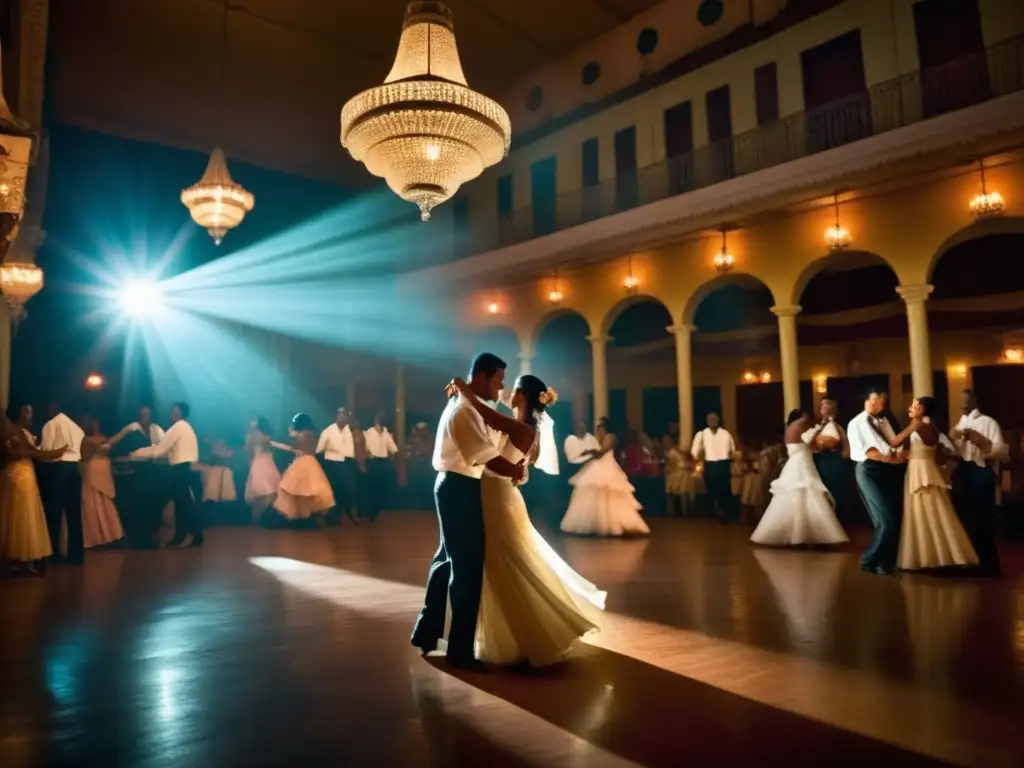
(424, 131)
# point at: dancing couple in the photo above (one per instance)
(513, 599)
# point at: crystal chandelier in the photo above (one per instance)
(724, 260)
(19, 282)
(836, 236)
(555, 295)
(424, 131)
(631, 283)
(986, 205)
(217, 202)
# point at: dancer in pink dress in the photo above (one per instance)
(304, 490)
(264, 477)
(101, 523)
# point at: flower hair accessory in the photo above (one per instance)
(548, 397)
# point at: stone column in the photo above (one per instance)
(525, 363)
(400, 430)
(790, 358)
(599, 345)
(915, 297)
(684, 380)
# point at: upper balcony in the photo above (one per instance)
(967, 99)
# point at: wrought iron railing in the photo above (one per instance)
(905, 100)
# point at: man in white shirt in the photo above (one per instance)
(380, 477)
(831, 455)
(60, 482)
(181, 447)
(714, 446)
(462, 449)
(576, 446)
(879, 472)
(337, 450)
(979, 443)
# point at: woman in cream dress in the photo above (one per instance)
(534, 607)
(304, 491)
(931, 535)
(101, 523)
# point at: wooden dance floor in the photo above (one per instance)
(291, 648)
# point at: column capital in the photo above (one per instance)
(681, 329)
(915, 294)
(526, 355)
(599, 339)
(792, 311)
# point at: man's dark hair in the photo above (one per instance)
(970, 393)
(487, 364)
(874, 390)
(183, 407)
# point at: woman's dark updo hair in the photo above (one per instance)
(532, 388)
(605, 422)
(927, 405)
(263, 426)
(302, 423)
(795, 415)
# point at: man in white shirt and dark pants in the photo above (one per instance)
(181, 447)
(60, 482)
(879, 474)
(380, 471)
(462, 448)
(337, 449)
(979, 443)
(578, 446)
(715, 447)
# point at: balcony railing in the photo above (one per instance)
(887, 106)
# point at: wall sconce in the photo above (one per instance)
(836, 236)
(1013, 355)
(749, 377)
(493, 308)
(555, 295)
(986, 205)
(958, 370)
(766, 377)
(94, 381)
(724, 260)
(821, 383)
(631, 283)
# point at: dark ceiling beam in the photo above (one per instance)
(498, 21)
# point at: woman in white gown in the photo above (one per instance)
(802, 511)
(603, 500)
(534, 607)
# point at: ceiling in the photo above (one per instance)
(150, 70)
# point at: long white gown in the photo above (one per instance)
(534, 607)
(801, 510)
(603, 501)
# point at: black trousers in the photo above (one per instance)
(834, 471)
(187, 518)
(343, 477)
(718, 481)
(975, 503)
(61, 490)
(457, 570)
(376, 487)
(881, 487)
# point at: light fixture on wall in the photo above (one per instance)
(555, 294)
(837, 238)
(1013, 355)
(631, 283)
(958, 370)
(766, 377)
(723, 259)
(424, 131)
(985, 204)
(493, 308)
(821, 383)
(749, 377)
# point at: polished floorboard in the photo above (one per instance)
(286, 648)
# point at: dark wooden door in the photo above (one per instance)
(627, 191)
(719, 111)
(679, 147)
(835, 93)
(543, 195)
(951, 49)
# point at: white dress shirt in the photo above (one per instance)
(62, 432)
(180, 445)
(463, 444)
(863, 437)
(155, 434)
(379, 443)
(575, 447)
(831, 429)
(988, 428)
(713, 446)
(336, 443)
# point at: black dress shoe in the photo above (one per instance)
(424, 645)
(876, 569)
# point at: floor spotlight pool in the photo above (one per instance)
(141, 298)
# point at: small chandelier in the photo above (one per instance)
(724, 260)
(555, 295)
(631, 283)
(987, 205)
(19, 282)
(836, 236)
(217, 202)
(424, 131)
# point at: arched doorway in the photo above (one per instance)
(562, 358)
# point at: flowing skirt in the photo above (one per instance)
(801, 509)
(24, 536)
(101, 524)
(533, 607)
(304, 490)
(603, 502)
(264, 478)
(931, 535)
(218, 484)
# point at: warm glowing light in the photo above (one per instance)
(766, 377)
(631, 283)
(749, 377)
(959, 370)
(19, 282)
(493, 308)
(1013, 355)
(93, 381)
(988, 205)
(821, 383)
(555, 296)
(837, 238)
(424, 131)
(141, 298)
(724, 261)
(217, 202)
